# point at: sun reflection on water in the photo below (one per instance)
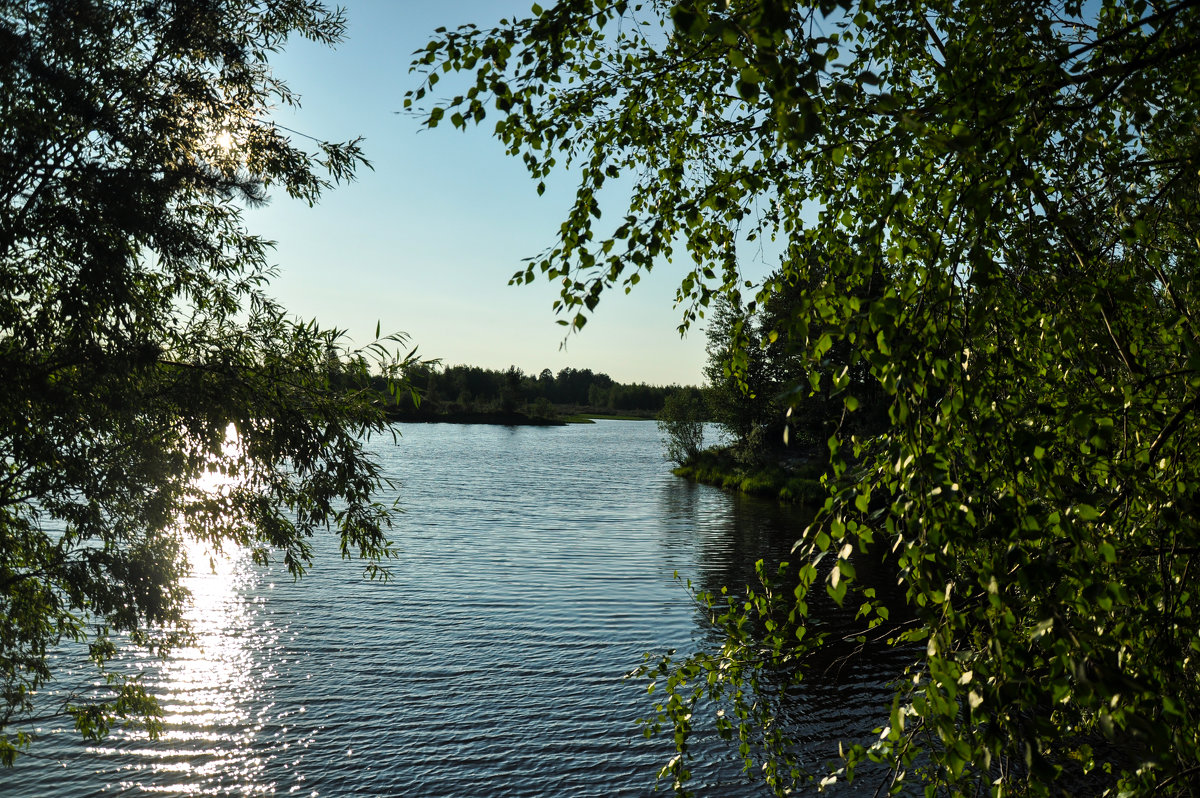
(212, 693)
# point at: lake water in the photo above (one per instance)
(536, 568)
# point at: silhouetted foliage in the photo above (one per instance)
(135, 333)
(470, 389)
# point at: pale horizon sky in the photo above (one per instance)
(425, 243)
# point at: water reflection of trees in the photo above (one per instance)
(845, 690)
(726, 533)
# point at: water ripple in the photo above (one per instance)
(536, 568)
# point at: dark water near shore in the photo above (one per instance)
(536, 568)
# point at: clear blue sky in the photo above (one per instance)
(426, 242)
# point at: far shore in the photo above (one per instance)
(514, 418)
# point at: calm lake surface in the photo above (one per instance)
(536, 568)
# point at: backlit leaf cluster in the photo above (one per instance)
(994, 208)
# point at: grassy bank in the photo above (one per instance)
(799, 484)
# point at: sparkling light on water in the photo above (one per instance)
(211, 691)
(535, 569)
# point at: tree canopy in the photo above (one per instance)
(136, 337)
(460, 388)
(998, 203)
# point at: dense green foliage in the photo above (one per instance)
(134, 331)
(742, 398)
(773, 403)
(681, 422)
(993, 210)
(471, 389)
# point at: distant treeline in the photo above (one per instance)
(457, 390)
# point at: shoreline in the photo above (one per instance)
(794, 484)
